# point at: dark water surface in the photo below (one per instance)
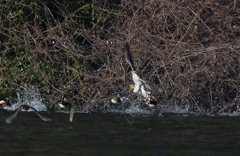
(111, 134)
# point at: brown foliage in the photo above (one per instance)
(189, 47)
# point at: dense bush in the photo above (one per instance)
(43, 44)
(74, 50)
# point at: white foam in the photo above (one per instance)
(32, 95)
(25, 95)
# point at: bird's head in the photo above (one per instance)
(133, 72)
(153, 99)
(115, 100)
(3, 103)
(64, 100)
(26, 107)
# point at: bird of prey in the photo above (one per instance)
(142, 87)
(10, 119)
(139, 87)
(64, 104)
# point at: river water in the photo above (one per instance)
(110, 134)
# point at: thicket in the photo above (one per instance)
(74, 49)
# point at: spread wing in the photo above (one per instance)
(10, 119)
(98, 100)
(44, 118)
(95, 101)
(125, 112)
(151, 87)
(128, 56)
(71, 113)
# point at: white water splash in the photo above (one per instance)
(229, 114)
(134, 108)
(25, 95)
